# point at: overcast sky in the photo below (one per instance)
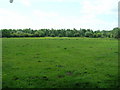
(37, 14)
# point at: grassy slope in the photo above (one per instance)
(46, 63)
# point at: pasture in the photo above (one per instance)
(59, 62)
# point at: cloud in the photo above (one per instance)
(43, 14)
(13, 19)
(93, 14)
(57, 21)
(27, 3)
(55, 0)
(98, 6)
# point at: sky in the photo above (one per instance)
(59, 14)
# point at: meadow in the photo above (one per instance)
(59, 62)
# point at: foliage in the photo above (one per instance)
(115, 33)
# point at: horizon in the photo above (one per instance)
(58, 29)
(57, 14)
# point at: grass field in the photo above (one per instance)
(59, 62)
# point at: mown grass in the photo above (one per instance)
(60, 63)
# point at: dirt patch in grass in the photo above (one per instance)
(61, 76)
(59, 66)
(15, 78)
(65, 48)
(44, 78)
(69, 73)
(39, 61)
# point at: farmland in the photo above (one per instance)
(59, 62)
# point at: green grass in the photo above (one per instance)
(59, 63)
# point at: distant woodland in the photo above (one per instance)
(115, 33)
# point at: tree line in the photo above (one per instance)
(115, 33)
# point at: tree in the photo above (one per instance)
(39, 33)
(52, 35)
(88, 34)
(98, 35)
(116, 32)
(76, 34)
